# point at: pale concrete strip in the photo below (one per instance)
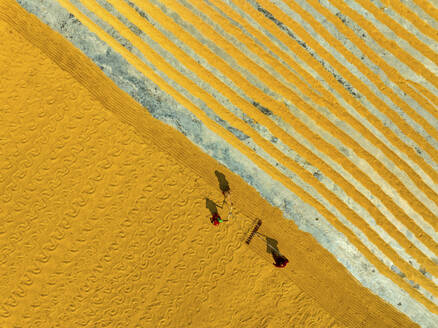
(429, 96)
(426, 10)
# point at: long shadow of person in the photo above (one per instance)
(223, 183)
(212, 206)
(272, 248)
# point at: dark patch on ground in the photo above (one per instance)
(397, 271)
(414, 285)
(317, 175)
(264, 110)
(71, 18)
(239, 134)
(138, 10)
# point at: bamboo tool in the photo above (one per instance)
(230, 211)
(254, 230)
(230, 204)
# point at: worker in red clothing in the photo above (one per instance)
(216, 219)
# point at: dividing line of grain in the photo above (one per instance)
(325, 147)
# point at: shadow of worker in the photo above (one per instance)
(272, 245)
(212, 206)
(223, 183)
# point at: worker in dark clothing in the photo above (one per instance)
(280, 260)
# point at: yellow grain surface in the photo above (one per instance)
(103, 218)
